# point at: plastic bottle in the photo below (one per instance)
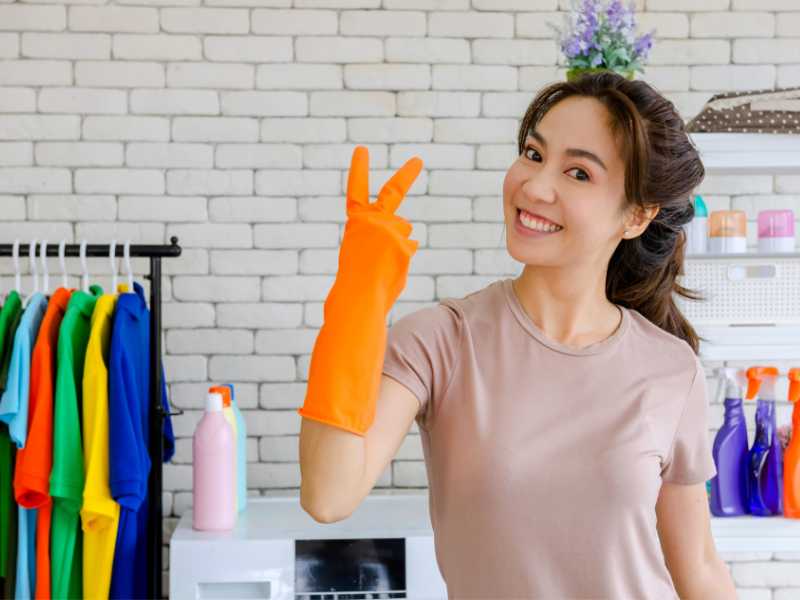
(765, 463)
(729, 485)
(791, 457)
(241, 452)
(230, 417)
(213, 478)
(697, 228)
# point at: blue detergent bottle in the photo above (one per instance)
(728, 488)
(765, 460)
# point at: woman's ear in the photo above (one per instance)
(638, 222)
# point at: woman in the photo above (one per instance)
(562, 413)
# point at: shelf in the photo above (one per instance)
(756, 534)
(735, 255)
(748, 153)
(749, 342)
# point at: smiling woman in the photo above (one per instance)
(609, 161)
(562, 414)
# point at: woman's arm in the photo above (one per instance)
(684, 529)
(338, 468)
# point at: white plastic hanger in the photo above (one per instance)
(62, 251)
(45, 274)
(34, 271)
(17, 273)
(128, 270)
(84, 267)
(112, 258)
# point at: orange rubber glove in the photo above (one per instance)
(347, 359)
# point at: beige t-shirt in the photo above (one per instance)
(544, 462)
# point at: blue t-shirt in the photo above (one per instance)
(14, 411)
(129, 438)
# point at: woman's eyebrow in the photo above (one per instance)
(569, 151)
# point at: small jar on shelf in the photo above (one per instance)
(776, 230)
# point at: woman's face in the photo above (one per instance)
(570, 189)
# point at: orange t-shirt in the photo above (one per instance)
(35, 460)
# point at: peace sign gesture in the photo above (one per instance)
(391, 194)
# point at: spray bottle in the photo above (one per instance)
(729, 485)
(765, 464)
(791, 459)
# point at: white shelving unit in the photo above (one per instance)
(751, 154)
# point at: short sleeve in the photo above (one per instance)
(689, 459)
(422, 353)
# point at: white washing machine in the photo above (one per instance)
(278, 552)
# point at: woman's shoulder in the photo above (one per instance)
(652, 343)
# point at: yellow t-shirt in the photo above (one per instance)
(99, 512)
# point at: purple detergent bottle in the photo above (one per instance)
(765, 459)
(729, 485)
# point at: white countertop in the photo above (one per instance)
(406, 514)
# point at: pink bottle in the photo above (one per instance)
(213, 486)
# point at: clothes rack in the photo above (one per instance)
(155, 253)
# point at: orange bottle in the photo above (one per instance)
(791, 458)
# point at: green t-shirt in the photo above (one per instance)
(9, 319)
(67, 477)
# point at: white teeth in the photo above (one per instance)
(537, 224)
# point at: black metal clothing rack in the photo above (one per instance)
(155, 253)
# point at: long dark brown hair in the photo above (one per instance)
(662, 167)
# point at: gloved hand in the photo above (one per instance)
(347, 359)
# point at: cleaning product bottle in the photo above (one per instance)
(697, 228)
(241, 452)
(230, 417)
(729, 485)
(213, 478)
(791, 457)
(765, 464)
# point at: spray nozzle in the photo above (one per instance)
(758, 375)
(794, 384)
(735, 381)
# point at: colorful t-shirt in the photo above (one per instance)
(67, 477)
(545, 461)
(100, 513)
(129, 439)
(9, 319)
(14, 411)
(34, 461)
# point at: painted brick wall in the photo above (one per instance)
(230, 124)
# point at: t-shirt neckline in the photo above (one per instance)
(595, 348)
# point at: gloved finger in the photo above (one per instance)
(394, 190)
(358, 179)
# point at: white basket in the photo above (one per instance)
(742, 289)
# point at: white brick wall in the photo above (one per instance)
(231, 125)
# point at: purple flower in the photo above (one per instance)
(643, 44)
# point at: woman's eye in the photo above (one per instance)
(527, 148)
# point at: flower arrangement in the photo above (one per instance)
(600, 35)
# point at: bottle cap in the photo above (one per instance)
(223, 391)
(794, 384)
(754, 377)
(700, 209)
(214, 402)
(727, 223)
(776, 223)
